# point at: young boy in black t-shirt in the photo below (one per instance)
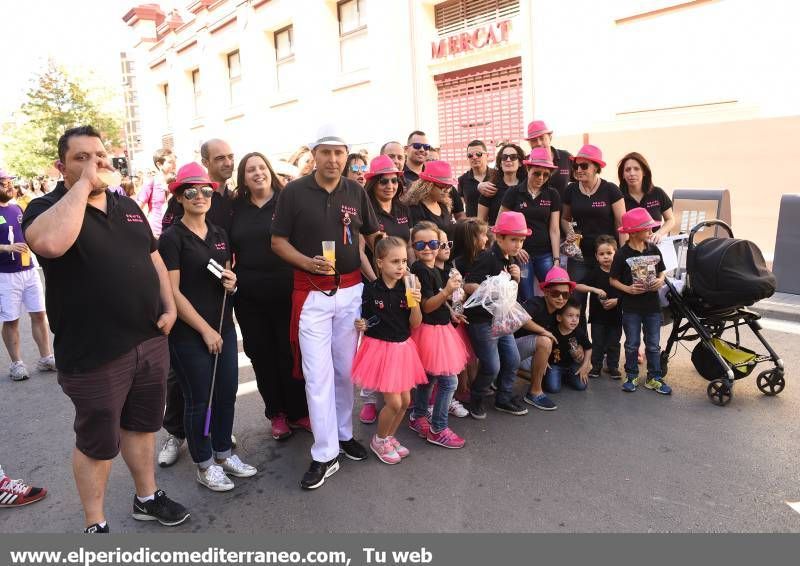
(605, 314)
(570, 358)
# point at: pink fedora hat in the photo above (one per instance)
(6, 175)
(381, 165)
(540, 157)
(537, 128)
(438, 172)
(511, 223)
(191, 174)
(557, 276)
(637, 220)
(592, 153)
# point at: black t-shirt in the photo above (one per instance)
(600, 279)
(594, 215)
(395, 223)
(103, 295)
(409, 176)
(256, 263)
(185, 251)
(495, 201)
(468, 189)
(561, 355)
(655, 201)
(430, 284)
(445, 221)
(391, 308)
(537, 308)
(645, 303)
(490, 262)
(307, 215)
(537, 213)
(561, 177)
(220, 214)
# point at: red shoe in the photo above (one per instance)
(15, 493)
(280, 428)
(303, 422)
(368, 414)
(446, 438)
(420, 425)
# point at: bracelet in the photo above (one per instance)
(233, 291)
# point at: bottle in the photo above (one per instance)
(11, 239)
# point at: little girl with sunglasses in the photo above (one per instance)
(441, 350)
(387, 360)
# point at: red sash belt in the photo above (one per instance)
(304, 283)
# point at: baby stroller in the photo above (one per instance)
(723, 277)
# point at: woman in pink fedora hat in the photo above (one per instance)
(428, 198)
(595, 206)
(541, 207)
(508, 174)
(540, 136)
(636, 184)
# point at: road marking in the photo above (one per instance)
(795, 505)
(247, 388)
(244, 361)
(780, 325)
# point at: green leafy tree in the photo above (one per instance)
(55, 103)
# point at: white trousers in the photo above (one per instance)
(328, 334)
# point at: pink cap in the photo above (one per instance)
(637, 220)
(537, 128)
(540, 157)
(191, 174)
(438, 172)
(592, 153)
(511, 223)
(557, 276)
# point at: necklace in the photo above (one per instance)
(591, 191)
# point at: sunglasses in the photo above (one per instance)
(192, 192)
(582, 166)
(421, 245)
(475, 154)
(446, 245)
(358, 168)
(509, 157)
(387, 180)
(336, 281)
(559, 294)
(543, 174)
(424, 146)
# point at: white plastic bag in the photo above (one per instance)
(498, 295)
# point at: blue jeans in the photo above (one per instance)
(538, 266)
(556, 375)
(447, 385)
(193, 366)
(634, 324)
(605, 343)
(497, 358)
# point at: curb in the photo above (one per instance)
(786, 307)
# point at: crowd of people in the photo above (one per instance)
(351, 274)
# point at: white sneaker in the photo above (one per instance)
(457, 409)
(235, 467)
(17, 371)
(214, 478)
(170, 451)
(47, 363)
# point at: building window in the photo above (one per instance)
(352, 34)
(196, 94)
(458, 15)
(284, 58)
(165, 99)
(234, 78)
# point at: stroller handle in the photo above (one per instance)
(705, 224)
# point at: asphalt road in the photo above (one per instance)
(605, 461)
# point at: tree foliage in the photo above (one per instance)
(55, 103)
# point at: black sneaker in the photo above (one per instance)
(512, 407)
(614, 373)
(476, 410)
(317, 472)
(594, 373)
(96, 529)
(161, 508)
(353, 449)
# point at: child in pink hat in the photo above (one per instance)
(498, 357)
(638, 271)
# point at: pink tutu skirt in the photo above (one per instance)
(441, 349)
(461, 329)
(388, 367)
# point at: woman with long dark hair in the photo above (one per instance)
(263, 302)
(508, 173)
(636, 184)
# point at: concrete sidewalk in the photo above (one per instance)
(783, 306)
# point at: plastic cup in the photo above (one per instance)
(329, 251)
(110, 178)
(411, 283)
(25, 258)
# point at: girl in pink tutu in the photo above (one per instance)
(387, 360)
(441, 349)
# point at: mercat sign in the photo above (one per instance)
(481, 37)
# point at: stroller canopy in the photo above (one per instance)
(729, 272)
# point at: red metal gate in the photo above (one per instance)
(482, 103)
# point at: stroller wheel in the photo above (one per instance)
(771, 381)
(664, 362)
(719, 392)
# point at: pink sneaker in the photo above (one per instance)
(302, 422)
(446, 438)
(384, 450)
(280, 428)
(368, 414)
(421, 426)
(401, 450)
